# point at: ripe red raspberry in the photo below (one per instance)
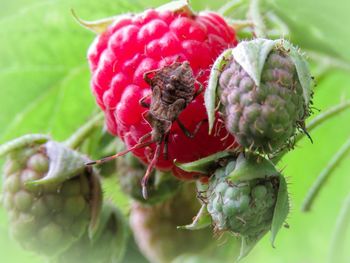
(136, 44)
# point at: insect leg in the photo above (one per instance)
(109, 158)
(144, 137)
(143, 103)
(187, 132)
(200, 74)
(149, 170)
(148, 79)
(165, 151)
(199, 91)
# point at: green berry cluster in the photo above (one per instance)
(243, 207)
(45, 218)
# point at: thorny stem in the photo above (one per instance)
(77, 138)
(276, 20)
(325, 174)
(321, 118)
(329, 61)
(316, 122)
(230, 6)
(239, 25)
(321, 72)
(341, 228)
(256, 17)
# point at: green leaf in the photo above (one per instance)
(281, 209)
(203, 165)
(252, 167)
(309, 30)
(210, 93)
(200, 221)
(41, 44)
(44, 72)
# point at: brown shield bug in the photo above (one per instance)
(173, 88)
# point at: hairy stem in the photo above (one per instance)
(283, 29)
(77, 138)
(331, 62)
(325, 174)
(321, 118)
(256, 16)
(230, 6)
(341, 228)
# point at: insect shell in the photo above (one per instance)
(173, 88)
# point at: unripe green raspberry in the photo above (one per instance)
(247, 197)
(246, 207)
(160, 187)
(265, 90)
(50, 205)
(106, 246)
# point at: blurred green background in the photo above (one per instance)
(44, 81)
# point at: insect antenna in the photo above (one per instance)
(109, 158)
(149, 170)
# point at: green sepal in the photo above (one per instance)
(121, 238)
(281, 209)
(110, 215)
(179, 6)
(201, 187)
(65, 163)
(23, 141)
(210, 93)
(95, 203)
(251, 56)
(247, 244)
(302, 68)
(203, 165)
(106, 213)
(98, 26)
(201, 220)
(252, 167)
